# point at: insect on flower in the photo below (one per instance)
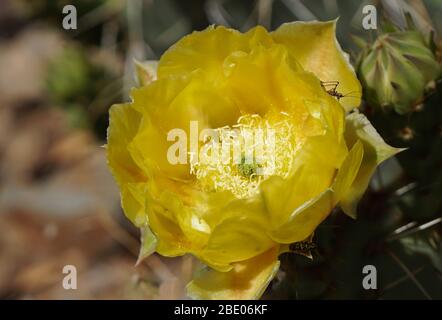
(302, 246)
(331, 88)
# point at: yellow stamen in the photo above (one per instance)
(247, 153)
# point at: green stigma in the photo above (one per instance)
(247, 169)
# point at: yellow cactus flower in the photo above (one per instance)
(238, 216)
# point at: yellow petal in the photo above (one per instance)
(123, 125)
(133, 202)
(171, 240)
(146, 72)
(240, 236)
(280, 197)
(178, 227)
(283, 196)
(314, 170)
(149, 150)
(348, 171)
(201, 101)
(304, 220)
(274, 80)
(315, 47)
(358, 128)
(205, 50)
(247, 280)
(258, 36)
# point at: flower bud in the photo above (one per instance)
(396, 70)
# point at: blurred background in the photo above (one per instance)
(60, 206)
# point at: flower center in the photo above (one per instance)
(239, 157)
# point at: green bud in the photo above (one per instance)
(396, 70)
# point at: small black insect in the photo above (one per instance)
(331, 88)
(302, 246)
